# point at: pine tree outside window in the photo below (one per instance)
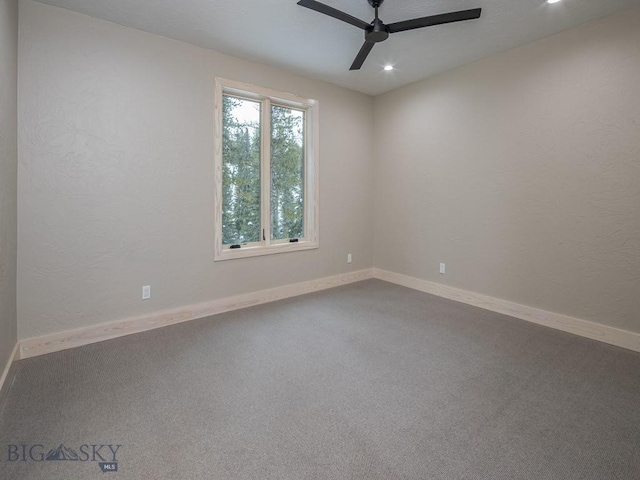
(266, 167)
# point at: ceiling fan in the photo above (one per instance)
(378, 31)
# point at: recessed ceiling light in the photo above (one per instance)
(553, 1)
(390, 67)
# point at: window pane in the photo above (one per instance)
(240, 171)
(287, 173)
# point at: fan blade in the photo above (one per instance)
(362, 56)
(435, 20)
(332, 12)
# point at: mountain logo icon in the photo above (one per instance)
(62, 453)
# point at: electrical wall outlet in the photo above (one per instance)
(442, 268)
(146, 292)
(349, 259)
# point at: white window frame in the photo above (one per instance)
(311, 204)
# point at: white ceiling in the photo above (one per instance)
(283, 34)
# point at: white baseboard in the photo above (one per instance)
(577, 326)
(106, 331)
(7, 373)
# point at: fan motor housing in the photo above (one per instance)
(377, 32)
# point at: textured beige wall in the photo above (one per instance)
(116, 174)
(8, 175)
(522, 173)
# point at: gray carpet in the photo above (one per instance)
(366, 381)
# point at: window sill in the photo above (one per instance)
(246, 252)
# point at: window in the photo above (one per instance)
(266, 171)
